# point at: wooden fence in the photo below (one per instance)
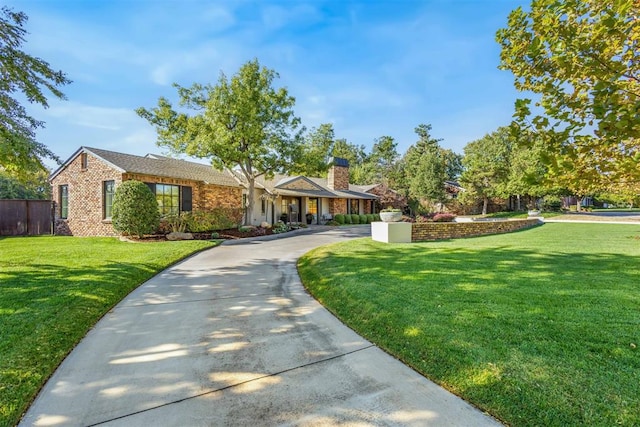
(25, 217)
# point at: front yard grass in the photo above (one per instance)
(537, 327)
(53, 290)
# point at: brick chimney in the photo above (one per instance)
(338, 178)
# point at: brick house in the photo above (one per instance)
(83, 188)
(298, 196)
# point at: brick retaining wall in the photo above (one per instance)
(421, 231)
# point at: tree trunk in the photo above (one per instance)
(251, 189)
(578, 204)
(485, 204)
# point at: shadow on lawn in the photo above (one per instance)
(44, 312)
(536, 338)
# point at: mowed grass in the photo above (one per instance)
(53, 290)
(538, 327)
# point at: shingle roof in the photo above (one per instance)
(159, 166)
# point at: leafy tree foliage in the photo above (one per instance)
(240, 123)
(32, 187)
(355, 154)
(315, 152)
(135, 209)
(487, 166)
(20, 154)
(427, 166)
(582, 57)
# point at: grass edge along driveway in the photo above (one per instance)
(537, 327)
(53, 289)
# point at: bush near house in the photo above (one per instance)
(370, 218)
(347, 219)
(355, 219)
(364, 219)
(339, 218)
(135, 209)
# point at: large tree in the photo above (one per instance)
(486, 164)
(380, 166)
(314, 155)
(20, 154)
(582, 59)
(241, 123)
(427, 166)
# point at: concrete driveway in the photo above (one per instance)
(230, 337)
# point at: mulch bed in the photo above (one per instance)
(229, 234)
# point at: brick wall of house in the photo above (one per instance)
(337, 206)
(216, 196)
(338, 178)
(421, 231)
(85, 209)
(204, 196)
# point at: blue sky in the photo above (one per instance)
(371, 68)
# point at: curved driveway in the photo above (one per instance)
(230, 337)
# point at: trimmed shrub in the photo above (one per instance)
(135, 209)
(370, 218)
(376, 217)
(279, 227)
(364, 219)
(355, 219)
(347, 219)
(339, 218)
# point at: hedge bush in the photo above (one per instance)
(347, 219)
(376, 217)
(135, 209)
(370, 218)
(339, 218)
(355, 219)
(364, 219)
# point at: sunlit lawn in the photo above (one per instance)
(53, 290)
(538, 327)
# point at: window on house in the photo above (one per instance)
(263, 206)
(108, 190)
(354, 206)
(83, 161)
(172, 198)
(64, 201)
(168, 197)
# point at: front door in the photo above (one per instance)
(312, 208)
(291, 207)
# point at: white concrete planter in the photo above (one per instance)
(391, 232)
(534, 213)
(390, 216)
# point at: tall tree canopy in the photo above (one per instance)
(582, 57)
(20, 154)
(240, 123)
(427, 166)
(315, 152)
(487, 166)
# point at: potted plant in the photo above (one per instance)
(390, 214)
(309, 217)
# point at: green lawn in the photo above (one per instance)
(537, 327)
(53, 290)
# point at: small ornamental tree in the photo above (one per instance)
(135, 209)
